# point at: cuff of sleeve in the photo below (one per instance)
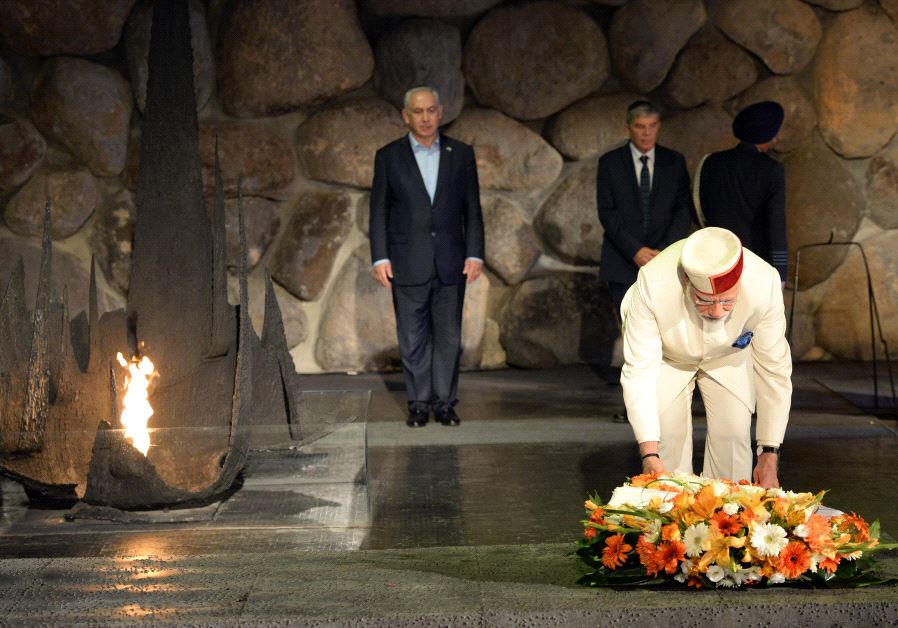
(379, 262)
(477, 259)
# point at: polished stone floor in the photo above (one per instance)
(531, 446)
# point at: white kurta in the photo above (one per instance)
(666, 343)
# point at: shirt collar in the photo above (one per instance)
(416, 145)
(636, 154)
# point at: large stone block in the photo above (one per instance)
(509, 155)
(275, 56)
(338, 143)
(568, 220)
(86, 107)
(428, 8)
(783, 33)
(679, 132)
(552, 56)
(592, 126)
(714, 71)
(843, 320)
(50, 27)
(435, 48)
(308, 248)
(800, 117)
(22, 149)
(837, 5)
(473, 322)
(856, 79)
(563, 318)
(137, 46)
(882, 187)
(296, 322)
(73, 197)
(112, 237)
(260, 223)
(512, 246)
(823, 200)
(646, 36)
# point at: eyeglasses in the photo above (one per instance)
(726, 304)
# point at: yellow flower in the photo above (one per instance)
(717, 549)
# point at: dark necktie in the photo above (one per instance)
(645, 191)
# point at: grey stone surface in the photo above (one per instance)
(22, 149)
(338, 143)
(308, 248)
(296, 321)
(679, 132)
(47, 28)
(568, 220)
(855, 81)
(783, 33)
(554, 55)
(823, 198)
(137, 45)
(713, 70)
(428, 8)
(843, 321)
(73, 197)
(112, 237)
(836, 5)
(562, 318)
(509, 155)
(358, 326)
(86, 107)
(882, 187)
(591, 127)
(800, 118)
(435, 47)
(646, 35)
(261, 222)
(275, 56)
(513, 245)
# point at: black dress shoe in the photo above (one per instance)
(448, 417)
(417, 418)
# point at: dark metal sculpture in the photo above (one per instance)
(221, 388)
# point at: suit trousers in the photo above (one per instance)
(728, 452)
(428, 326)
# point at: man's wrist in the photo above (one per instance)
(767, 449)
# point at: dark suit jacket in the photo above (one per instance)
(744, 190)
(418, 236)
(620, 213)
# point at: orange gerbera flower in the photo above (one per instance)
(853, 524)
(819, 536)
(726, 524)
(670, 555)
(615, 552)
(589, 533)
(794, 560)
(829, 564)
(648, 556)
(644, 479)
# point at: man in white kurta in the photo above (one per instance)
(707, 312)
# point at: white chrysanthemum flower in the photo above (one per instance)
(720, 488)
(715, 573)
(652, 531)
(680, 577)
(731, 508)
(694, 538)
(768, 539)
(685, 566)
(801, 530)
(776, 492)
(815, 561)
(777, 578)
(728, 582)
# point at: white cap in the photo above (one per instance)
(712, 259)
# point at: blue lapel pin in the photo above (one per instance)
(744, 340)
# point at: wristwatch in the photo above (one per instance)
(766, 449)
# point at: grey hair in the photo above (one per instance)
(420, 88)
(641, 108)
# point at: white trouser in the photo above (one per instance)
(728, 452)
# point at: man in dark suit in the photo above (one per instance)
(426, 243)
(743, 189)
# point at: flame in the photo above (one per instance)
(137, 409)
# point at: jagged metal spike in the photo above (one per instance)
(273, 335)
(93, 321)
(221, 309)
(37, 386)
(14, 321)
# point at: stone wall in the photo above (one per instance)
(301, 94)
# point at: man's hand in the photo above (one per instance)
(383, 273)
(651, 464)
(472, 270)
(765, 471)
(644, 255)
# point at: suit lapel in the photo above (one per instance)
(411, 165)
(443, 170)
(627, 160)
